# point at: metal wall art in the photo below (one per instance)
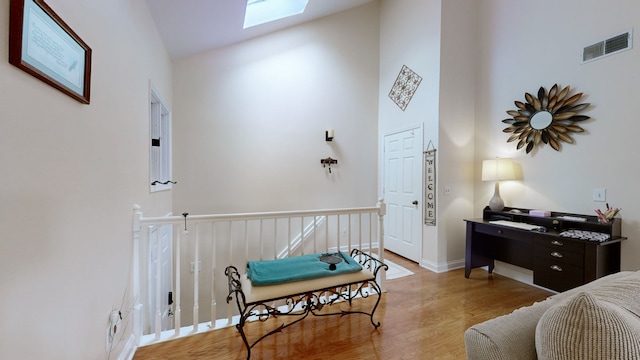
(549, 117)
(405, 86)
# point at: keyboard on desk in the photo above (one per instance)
(515, 224)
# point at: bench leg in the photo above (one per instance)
(373, 311)
(240, 327)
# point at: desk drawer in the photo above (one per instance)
(502, 231)
(558, 243)
(555, 275)
(559, 255)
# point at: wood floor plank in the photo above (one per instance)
(423, 316)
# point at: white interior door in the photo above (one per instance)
(402, 191)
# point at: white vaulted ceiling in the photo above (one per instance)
(189, 27)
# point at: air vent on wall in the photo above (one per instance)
(609, 46)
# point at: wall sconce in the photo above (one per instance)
(498, 169)
(328, 161)
(328, 135)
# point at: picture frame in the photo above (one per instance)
(43, 45)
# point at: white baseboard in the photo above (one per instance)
(514, 272)
(129, 349)
(440, 268)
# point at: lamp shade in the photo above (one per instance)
(498, 169)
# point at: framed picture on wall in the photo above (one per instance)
(43, 45)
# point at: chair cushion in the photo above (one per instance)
(584, 327)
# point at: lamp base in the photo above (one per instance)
(496, 203)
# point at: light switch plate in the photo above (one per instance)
(599, 194)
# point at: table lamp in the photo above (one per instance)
(498, 169)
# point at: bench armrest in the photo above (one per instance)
(369, 262)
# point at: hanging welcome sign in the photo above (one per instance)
(430, 185)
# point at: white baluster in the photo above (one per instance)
(158, 295)
(349, 234)
(315, 240)
(230, 304)
(382, 211)
(177, 316)
(275, 236)
(371, 230)
(326, 233)
(359, 232)
(338, 231)
(246, 241)
(289, 237)
(213, 276)
(261, 239)
(302, 235)
(196, 282)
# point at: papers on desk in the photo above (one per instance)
(585, 235)
(515, 224)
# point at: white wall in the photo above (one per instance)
(250, 119)
(247, 135)
(456, 129)
(527, 45)
(435, 39)
(71, 174)
(410, 35)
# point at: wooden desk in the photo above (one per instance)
(558, 263)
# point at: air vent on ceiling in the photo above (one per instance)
(609, 46)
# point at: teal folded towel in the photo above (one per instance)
(298, 268)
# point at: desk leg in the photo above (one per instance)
(478, 251)
(469, 250)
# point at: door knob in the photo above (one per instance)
(415, 202)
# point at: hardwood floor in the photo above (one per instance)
(423, 316)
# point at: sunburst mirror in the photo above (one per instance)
(549, 118)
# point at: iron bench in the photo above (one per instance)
(303, 297)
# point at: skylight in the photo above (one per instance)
(264, 11)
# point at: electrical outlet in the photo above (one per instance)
(600, 194)
(447, 190)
